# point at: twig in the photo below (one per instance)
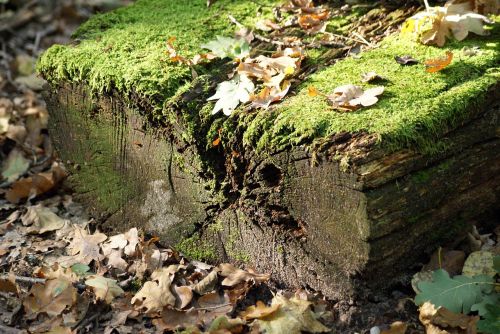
(362, 39)
(23, 279)
(86, 321)
(212, 307)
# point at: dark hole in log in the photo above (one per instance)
(271, 175)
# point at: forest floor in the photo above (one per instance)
(59, 274)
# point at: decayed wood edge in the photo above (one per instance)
(376, 166)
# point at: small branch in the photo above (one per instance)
(212, 307)
(23, 279)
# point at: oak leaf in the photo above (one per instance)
(156, 294)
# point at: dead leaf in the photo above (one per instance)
(435, 25)
(479, 263)
(234, 276)
(15, 165)
(351, 97)
(406, 60)
(6, 108)
(443, 321)
(438, 64)
(207, 284)
(450, 260)
(371, 76)
(184, 294)
(174, 319)
(258, 311)
(314, 22)
(155, 294)
(41, 219)
(104, 288)
(35, 185)
(269, 95)
(292, 317)
(51, 298)
(85, 248)
(397, 327)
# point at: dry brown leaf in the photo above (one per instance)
(314, 22)
(35, 185)
(234, 276)
(207, 284)
(56, 271)
(85, 248)
(184, 294)
(443, 321)
(397, 327)
(371, 76)
(174, 319)
(351, 97)
(450, 260)
(104, 288)
(41, 219)
(51, 298)
(269, 95)
(438, 64)
(258, 311)
(156, 294)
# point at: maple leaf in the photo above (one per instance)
(42, 220)
(104, 288)
(457, 294)
(438, 64)
(293, 316)
(156, 294)
(51, 298)
(231, 93)
(236, 48)
(84, 247)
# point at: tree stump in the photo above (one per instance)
(336, 202)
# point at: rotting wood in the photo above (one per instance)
(308, 221)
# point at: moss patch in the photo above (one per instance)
(416, 108)
(125, 50)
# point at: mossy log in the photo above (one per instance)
(336, 202)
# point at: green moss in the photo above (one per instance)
(197, 249)
(125, 50)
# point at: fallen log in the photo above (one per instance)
(336, 202)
